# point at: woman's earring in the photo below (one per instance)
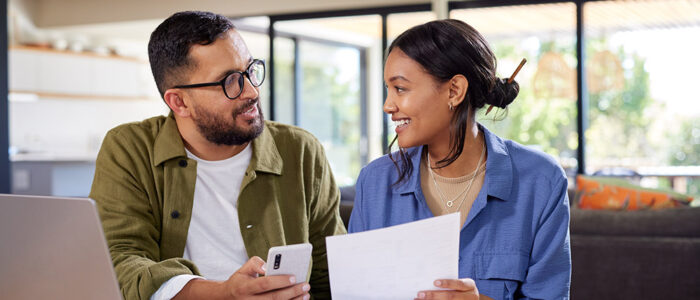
(450, 105)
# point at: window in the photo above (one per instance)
(641, 60)
(398, 23)
(330, 58)
(284, 80)
(544, 113)
(331, 102)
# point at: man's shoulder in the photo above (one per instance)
(145, 130)
(137, 137)
(152, 124)
(290, 135)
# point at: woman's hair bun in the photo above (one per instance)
(503, 93)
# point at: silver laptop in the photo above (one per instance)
(53, 248)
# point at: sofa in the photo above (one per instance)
(625, 254)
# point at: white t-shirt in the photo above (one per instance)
(214, 240)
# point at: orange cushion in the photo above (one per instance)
(618, 194)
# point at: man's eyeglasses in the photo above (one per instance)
(233, 83)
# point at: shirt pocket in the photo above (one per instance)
(499, 275)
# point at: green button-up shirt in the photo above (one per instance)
(144, 188)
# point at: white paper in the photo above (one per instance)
(394, 262)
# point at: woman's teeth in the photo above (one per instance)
(402, 122)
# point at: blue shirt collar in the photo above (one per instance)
(499, 168)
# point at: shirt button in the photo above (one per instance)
(175, 214)
(183, 163)
(249, 226)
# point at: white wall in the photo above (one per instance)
(73, 128)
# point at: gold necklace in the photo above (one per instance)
(450, 203)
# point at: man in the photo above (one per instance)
(190, 202)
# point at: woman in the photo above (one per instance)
(514, 240)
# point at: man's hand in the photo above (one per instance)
(246, 284)
(458, 289)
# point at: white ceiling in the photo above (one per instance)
(132, 21)
(58, 13)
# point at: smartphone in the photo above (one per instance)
(289, 260)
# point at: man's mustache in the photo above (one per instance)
(247, 106)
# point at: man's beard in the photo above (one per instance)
(216, 128)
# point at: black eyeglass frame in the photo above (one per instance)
(222, 82)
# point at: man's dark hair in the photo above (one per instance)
(170, 43)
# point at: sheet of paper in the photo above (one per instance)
(394, 262)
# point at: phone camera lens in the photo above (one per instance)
(278, 259)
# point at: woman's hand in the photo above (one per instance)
(457, 289)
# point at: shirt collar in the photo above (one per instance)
(266, 157)
(168, 145)
(499, 166)
(498, 180)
